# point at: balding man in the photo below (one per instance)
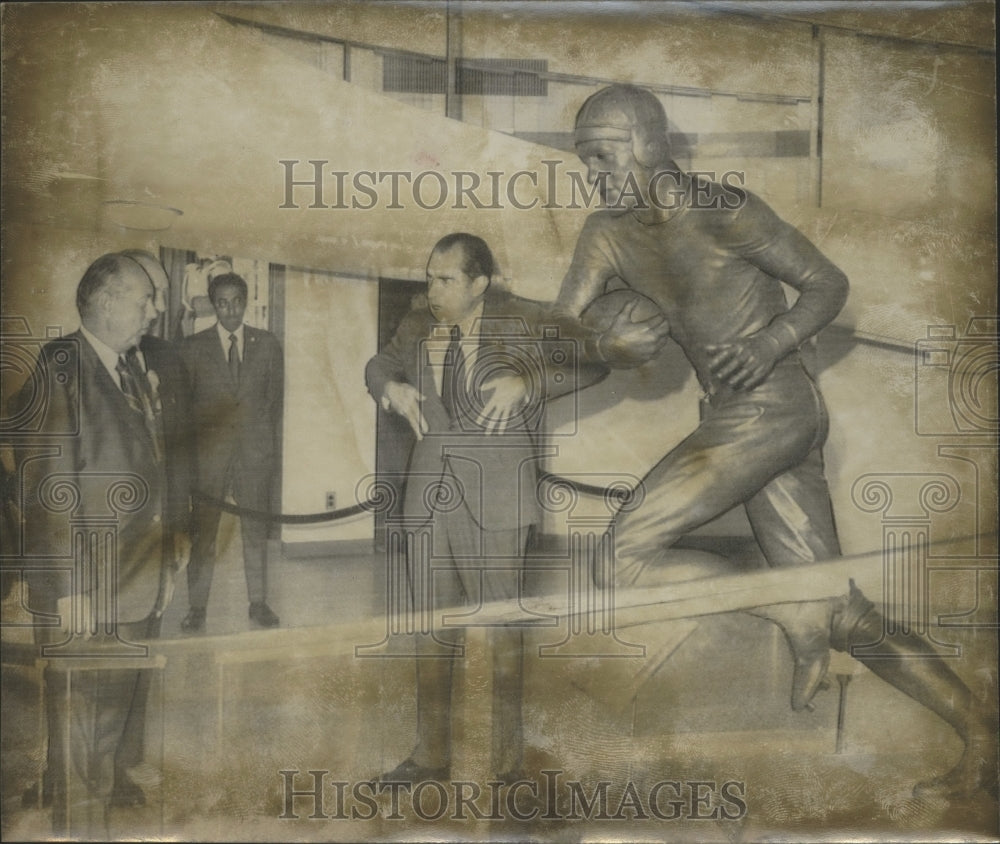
(110, 406)
(714, 258)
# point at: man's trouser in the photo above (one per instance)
(105, 711)
(251, 489)
(484, 566)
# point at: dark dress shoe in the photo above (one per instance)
(194, 621)
(127, 795)
(262, 615)
(411, 772)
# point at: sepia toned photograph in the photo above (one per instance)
(499, 421)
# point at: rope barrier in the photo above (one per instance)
(285, 518)
(372, 504)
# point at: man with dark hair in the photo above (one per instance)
(237, 383)
(478, 261)
(104, 412)
(475, 410)
(713, 258)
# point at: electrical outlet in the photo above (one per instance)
(331, 501)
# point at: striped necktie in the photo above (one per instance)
(130, 384)
(452, 373)
(139, 393)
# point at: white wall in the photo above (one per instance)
(331, 329)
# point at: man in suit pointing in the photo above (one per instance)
(475, 410)
(237, 380)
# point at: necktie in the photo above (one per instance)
(452, 373)
(234, 359)
(139, 392)
(130, 385)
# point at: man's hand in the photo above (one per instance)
(508, 396)
(745, 363)
(181, 557)
(182, 551)
(405, 400)
(628, 342)
(166, 595)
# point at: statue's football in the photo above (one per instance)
(601, 313)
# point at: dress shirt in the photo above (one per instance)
(224, 337)
(470, 336)
(107, 355)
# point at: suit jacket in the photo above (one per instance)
(97, 440)
(457, 464)
(235, 424)
(163, 358)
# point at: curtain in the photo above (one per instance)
(178, 322)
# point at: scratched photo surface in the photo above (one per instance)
(499, 421)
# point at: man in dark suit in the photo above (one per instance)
(473, 400)
(237, 383)
(105, 408)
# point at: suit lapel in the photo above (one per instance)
(250, 354)
(491, 328)
(421, 375)
(425, 372)
(112, 393)
(215, 352)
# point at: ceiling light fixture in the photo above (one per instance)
(135, 215)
